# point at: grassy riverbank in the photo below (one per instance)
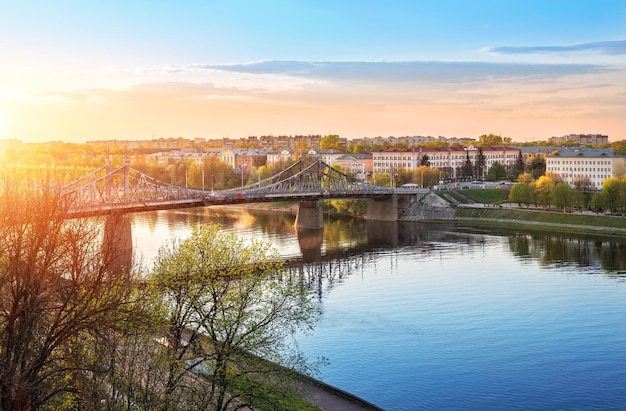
(566, 222)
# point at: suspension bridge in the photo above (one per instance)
(125, 190)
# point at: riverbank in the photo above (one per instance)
(442, 208)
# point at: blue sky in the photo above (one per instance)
(87, 70)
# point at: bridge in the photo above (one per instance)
(125, 190)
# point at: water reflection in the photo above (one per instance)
(554, 250)
(344, 238)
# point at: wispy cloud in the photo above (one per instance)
(612, 48)
(408, 71)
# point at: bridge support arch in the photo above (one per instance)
(310, 215)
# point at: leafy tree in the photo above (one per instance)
(353, 207)
(492, 140)
(426, 176)
(496, 172)
(537, 167)
(525, 178)
(619, 147)
(227, 304)
(331, 141)
(544, 186)
(562, 195)
(611, 190)
(520, 194)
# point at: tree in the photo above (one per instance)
(518, 167)
(562, 195)
(619, 147)
(468, 168)
(525, 178)
(544, 186)
(519, 194)
(492, 140)
(60, 302)
(496, 172)
(331, 141)
(611, 189)
(227, 306)
(481, 163)
(537, 167)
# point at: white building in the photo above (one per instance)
(577, 164)
(358, 165)
(444, 158)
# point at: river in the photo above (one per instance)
(428, 316)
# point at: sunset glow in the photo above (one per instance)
(529, 69)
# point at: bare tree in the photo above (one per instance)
(58, 302)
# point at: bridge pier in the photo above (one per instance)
(310, 215)
(310, 241)
(383, 209)
(117, 243)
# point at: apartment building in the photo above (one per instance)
(576, 164)
(592, 139)
(358, 165)
(450, 158)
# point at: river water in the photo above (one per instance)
(428, 316)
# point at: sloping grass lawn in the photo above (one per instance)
(487, 195)
(542, 217)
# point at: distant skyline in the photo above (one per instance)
(530, 70)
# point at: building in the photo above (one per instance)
(163, 159)
(244, 159)
(584, 139)
(450, 159)
(576, 165)
(277, 156)
(358, 165)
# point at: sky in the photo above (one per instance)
(79, 71)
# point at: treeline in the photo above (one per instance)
(550, 190)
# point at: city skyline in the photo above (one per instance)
(111, 70)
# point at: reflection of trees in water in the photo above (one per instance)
(550, 249)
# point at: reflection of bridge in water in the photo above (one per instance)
(320, 270)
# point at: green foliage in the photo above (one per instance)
(352, 207)
(619, 147)
(570, 219)
(225, 294)
(497, 171)
(537, 167)
(492, 140)
(331, 141)
(520, 194)
(562, 195)
(487, 195)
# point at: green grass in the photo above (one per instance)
(537, 216)
(487, 195)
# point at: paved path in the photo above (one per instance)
(329, 398)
